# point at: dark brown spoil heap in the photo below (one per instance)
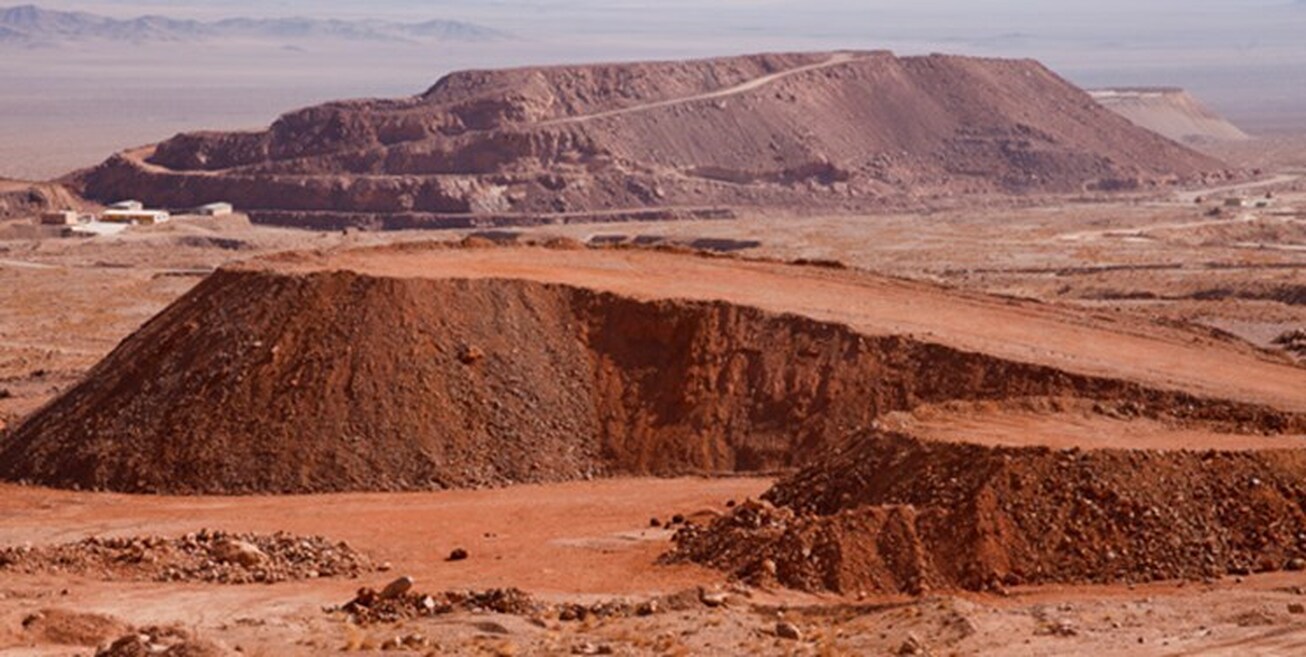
(895, 514)
(258, 381)
(832, 131)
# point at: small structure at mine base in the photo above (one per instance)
(135, 217)
(129, 206)
(93, 229)
(215, 210)
(60, 218)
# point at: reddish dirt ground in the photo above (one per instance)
(584, 538)
(575, 542)
(1012, 425)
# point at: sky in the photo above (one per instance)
(1073, 32)
(1246, 56)
(1238, 52)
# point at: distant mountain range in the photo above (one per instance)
(32, 25)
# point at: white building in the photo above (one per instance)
(130, 206)
(215, 209)
(135, 217)
(94, 229)
(60, 218)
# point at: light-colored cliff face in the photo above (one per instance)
(1172, 113)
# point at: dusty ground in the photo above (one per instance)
(65, 303)
(587, 542)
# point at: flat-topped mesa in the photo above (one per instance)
(813, 130)
(418, 367)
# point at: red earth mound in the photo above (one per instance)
(896, 514)
(266, 379)
(816, 130)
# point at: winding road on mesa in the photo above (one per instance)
(836, 60)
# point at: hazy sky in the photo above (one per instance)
(1240, 54)
(1078, 33)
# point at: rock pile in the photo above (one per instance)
(161, 642)
(395, 603)
(896, 514)
(205, 556)
(398, 601)
(1293, 342)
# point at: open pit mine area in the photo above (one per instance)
(647, 451)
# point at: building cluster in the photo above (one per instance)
(1241, 202)
(118, 216)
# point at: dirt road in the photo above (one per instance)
(757, 83)
(1191, 196)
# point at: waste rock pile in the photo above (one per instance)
(901, 515)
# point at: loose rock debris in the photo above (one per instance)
(371, 607)
(204, 556)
